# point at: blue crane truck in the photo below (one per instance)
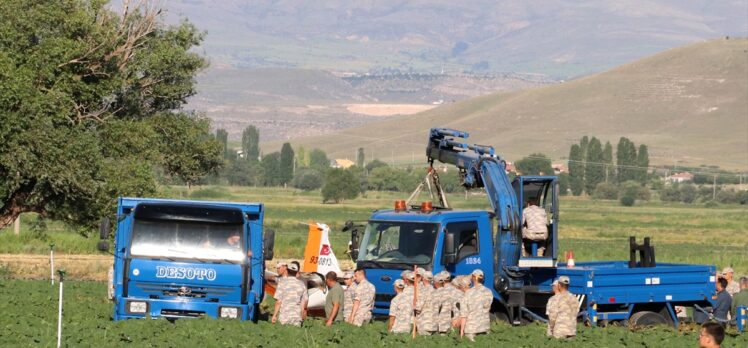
(186, 259)
(637, 292)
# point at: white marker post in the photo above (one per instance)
(61, 272)
(52, 263)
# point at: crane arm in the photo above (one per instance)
(480, 167)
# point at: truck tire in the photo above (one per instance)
(644, 319)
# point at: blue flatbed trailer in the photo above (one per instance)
(610, 290)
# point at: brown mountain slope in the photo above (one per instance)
(689, 105)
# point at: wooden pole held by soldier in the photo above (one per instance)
(415, 299)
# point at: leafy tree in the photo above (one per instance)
(642, 161)
(286, 164)
(594, 172)
(271, 166)
(307, 179)
(340, 184)
(385, 179)
(251, 143)
(375, 164)
(688, 193)
(301, 157)
(626, 160)
(563, 184)
(608, 160)
(670, 193)
(535, 164)
(727, 197)
(223, 138)
(584, 146)
(606, 190)
(576, 170)
(90, 106)
(360, 157)
(318, 160)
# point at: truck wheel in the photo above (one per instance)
(644, 319)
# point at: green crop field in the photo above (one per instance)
(595, 230)
(30, 320)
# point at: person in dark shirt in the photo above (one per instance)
(724, 300)
(335, 299)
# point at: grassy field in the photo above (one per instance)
(30, 320)
(595, 230)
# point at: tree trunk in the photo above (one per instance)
(15, 205)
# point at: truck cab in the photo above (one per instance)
(186, 259)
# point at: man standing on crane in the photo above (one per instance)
(534, 228)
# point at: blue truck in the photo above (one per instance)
(638, 291)
(184, 259)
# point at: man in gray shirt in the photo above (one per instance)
(335, 301)
(724, 300)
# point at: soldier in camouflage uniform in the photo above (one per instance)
(562, 311)
(426, 318)
(363, 299)
(348, 293)
(291, 296)
(448, 295)
(551, 303)
(732, 286)
(401, 310)
(475, 308)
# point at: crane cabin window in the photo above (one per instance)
(395, 242)
(466, 238)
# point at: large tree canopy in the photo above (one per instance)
(90, 107)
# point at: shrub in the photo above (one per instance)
(670, 193)
(307, 179)
(340, 184)
(727, 197)
(605, 191)
(629, 193)
(688, 193)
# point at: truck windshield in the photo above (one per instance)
(398, 242)
(187, 240)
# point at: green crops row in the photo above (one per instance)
(30, 320)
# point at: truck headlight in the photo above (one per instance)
(140, 307)
(229, 312)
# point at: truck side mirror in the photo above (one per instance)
(268, 243)
(450, 252)
(355, 238)
(104, 228)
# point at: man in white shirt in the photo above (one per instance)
(534, 227)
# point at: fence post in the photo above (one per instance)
(17, 226)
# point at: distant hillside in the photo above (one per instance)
(560, 38)
(689, 104)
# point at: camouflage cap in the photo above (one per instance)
(445, 275)
(410, 275)
(420, 271)
(347, 275)
(563, 280)
(293, 267)
(727, 270)
(428, 275)
(477, 273)
(464, 281)
(399, 283)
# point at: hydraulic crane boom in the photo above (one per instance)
(480, 167)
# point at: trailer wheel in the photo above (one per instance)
(646, 319)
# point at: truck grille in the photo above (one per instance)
(183, 291)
